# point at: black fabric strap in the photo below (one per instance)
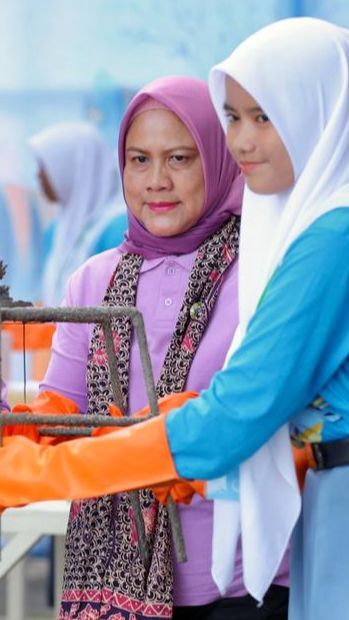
(328, 454)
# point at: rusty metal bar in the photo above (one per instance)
(138, 323)
(76, 419)
(177, 533)
(77, 314)
(102, 315)
(60, 431)
(119, 401)
(113, 368)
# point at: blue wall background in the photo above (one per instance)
(67, 59)
(83, 59)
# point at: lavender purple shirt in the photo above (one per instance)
(161, 288)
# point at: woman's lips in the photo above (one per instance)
(162, 206)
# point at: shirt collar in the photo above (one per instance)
(184, 261)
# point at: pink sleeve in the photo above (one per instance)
(66, 373)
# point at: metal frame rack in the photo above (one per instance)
(81, 424)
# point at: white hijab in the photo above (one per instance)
(83, 173)
(298, 72)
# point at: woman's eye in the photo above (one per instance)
(139, 159)
(178, 159)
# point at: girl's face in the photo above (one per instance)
(255, 144)
(163, 178)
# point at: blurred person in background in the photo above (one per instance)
(21, 240)
(3, 396)
(77, 170)
(7, 239)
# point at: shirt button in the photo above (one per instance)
(168, 301)
(170, 271)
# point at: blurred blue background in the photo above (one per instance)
(83, 59)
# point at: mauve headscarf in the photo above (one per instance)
(188, 98)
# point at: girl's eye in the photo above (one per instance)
(231, 117)
(262, 118)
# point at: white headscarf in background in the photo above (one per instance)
(82, 170)
(297, 71)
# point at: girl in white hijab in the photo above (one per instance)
(79, 171)
(283, 99)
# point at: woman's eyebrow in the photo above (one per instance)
(136, 148)
(179, 147)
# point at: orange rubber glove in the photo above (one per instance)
(130, 458)
(45, 403)
(183, 490)
(304, 460)
(165, 404)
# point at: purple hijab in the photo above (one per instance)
(189, 99)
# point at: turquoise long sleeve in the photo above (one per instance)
(295, 343)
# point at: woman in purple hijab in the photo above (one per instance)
(178, 266)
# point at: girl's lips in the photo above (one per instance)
(249, 166)
(162, 206)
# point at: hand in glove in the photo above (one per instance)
(46, 403)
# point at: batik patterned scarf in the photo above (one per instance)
(104, 574)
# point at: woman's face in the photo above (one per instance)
(255, 144)
(163, 178)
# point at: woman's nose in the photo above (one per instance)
(159, 177)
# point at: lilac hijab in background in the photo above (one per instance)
(188, 98)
